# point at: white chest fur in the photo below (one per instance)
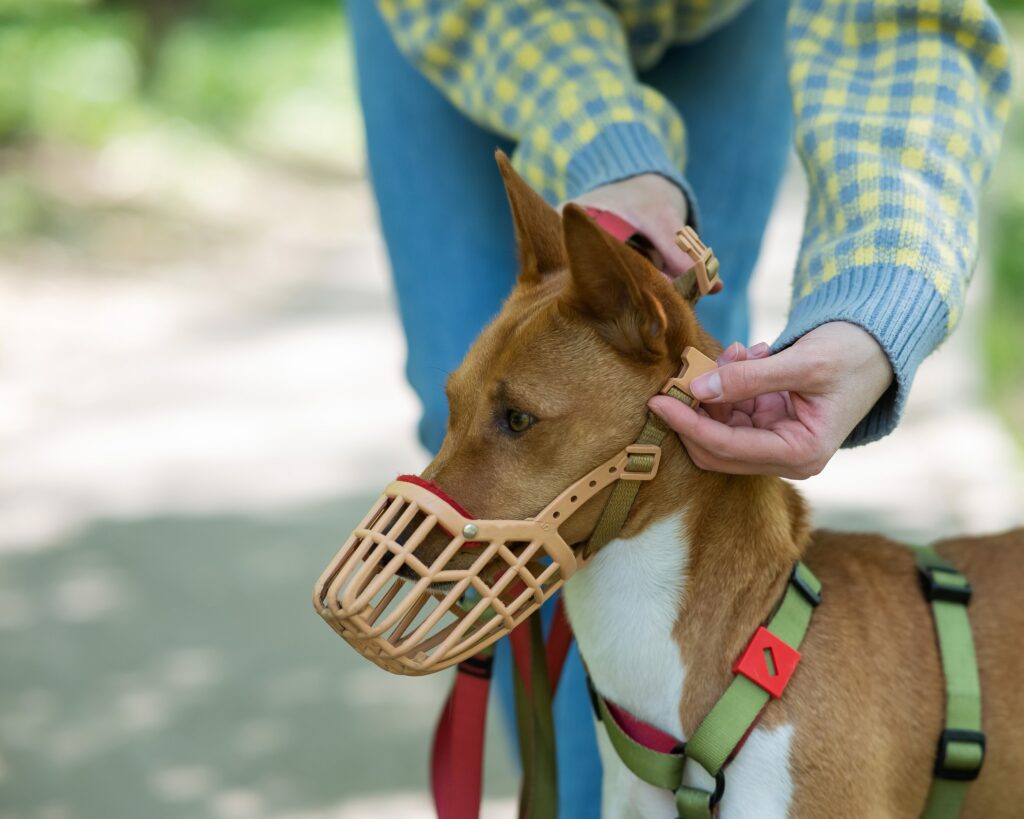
(623, 607)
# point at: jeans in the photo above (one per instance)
(449, 236)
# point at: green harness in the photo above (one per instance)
(961, 747)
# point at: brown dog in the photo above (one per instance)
(557, 384)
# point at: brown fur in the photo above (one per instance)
(589, 333)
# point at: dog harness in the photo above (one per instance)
(762, 673)
(961, 749)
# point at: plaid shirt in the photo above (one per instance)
(899, 108)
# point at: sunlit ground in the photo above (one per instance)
(200, 391)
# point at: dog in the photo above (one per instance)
(557, 383)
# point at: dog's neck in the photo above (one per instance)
(708, 556)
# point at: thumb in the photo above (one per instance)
(741, 380)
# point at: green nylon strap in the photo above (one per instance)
(616, 510)
(722, 730)
(539, 798)
(731, 717)
(686, 284)
(694, 803)
(963, 688)
(945, 799)
(655, 768)
(728, 721)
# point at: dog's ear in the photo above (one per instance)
(615, 287)
(538, 226)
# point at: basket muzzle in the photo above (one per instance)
(413, 614)
(421, 585)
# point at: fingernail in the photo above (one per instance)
(708, 387)
(759, 349)
(729, 353)
(652, 405)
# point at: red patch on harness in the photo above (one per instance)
(768, 661)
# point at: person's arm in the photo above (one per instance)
(899, 111)
(555, 77)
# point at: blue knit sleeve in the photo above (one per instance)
(899, 108)
(556, 77)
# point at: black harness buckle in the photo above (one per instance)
(796, 579)
(944, 584)
(942, 767)
(715, 796)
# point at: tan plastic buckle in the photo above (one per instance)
(695, 364)
(698, 280)
(628, 474)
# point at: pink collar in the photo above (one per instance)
(612, 223)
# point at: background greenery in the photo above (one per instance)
(274, 78)
(1004, 331)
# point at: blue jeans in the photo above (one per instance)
(449, 235)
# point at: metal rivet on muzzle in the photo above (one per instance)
(469, 530)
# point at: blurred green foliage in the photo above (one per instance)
(1003, 335)
(86, 70)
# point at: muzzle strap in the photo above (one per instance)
(624, 493)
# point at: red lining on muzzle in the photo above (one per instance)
(430, 486)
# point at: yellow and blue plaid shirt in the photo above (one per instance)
(899, 106)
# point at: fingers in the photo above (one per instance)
(724, 412)
(661, 234)
(759, 372)
(731, 353)
(739, 449)
(737, 352)
(726, 442)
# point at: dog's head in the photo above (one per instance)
(553, 389)
(559, 381)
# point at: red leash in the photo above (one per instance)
(457, 757)
(456, 764)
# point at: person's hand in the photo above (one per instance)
(783, 414)
(656, 207)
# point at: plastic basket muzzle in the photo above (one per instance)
(410, 616)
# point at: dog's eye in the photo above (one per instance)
(518, 421)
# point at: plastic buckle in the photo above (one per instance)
(716, 795)
(937, 587)
(796, 579)
(695, 364)
(653, 450)
(697, 281)
(942, 768)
